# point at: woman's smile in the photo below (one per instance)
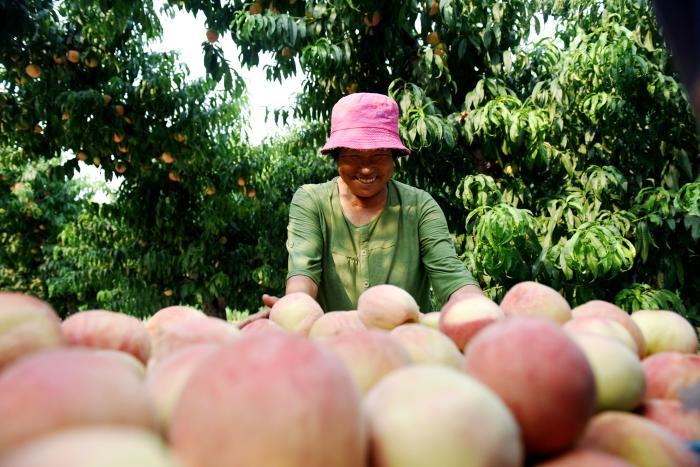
(366, 180)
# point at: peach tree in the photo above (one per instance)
(35, 206)
(590, 138)
(79, 85)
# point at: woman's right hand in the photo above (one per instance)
(269, 300)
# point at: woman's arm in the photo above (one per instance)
(465, 292)
(294, 284)
(448, 274)
(302, 284)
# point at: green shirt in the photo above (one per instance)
(408, 245)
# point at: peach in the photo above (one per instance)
(431, 318)
(33, 70)
(666, 331)
(672, 415)
(68, 387)
(336, 322)
(73, 56)
(261, 325)
(604, 327)
(170, 314)
(427, 345)
(579, 457)
(535, 299)
(126, 359)
(608, 310)
(368, 354)
(637, 440)
(542, 376)
(93, 446)
(296, 312)
(212, 36)
(27, 325)
(104, 329)
(167, 377)
(461, 320)
(668, 374)
(387, 306)
(619, 376)
(275, 399)
(205, 329)
(435, 415)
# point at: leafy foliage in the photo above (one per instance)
(35, 205)
(569, 158)
(597, 117)
(644, 297)
(99, 96)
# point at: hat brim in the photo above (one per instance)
(364, 139)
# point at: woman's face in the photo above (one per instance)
(365, 172)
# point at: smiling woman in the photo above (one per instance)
(363, 228)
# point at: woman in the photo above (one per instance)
(362, 228)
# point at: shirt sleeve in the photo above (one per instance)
(446, 271)
(304, 237)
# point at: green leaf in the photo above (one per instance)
(693, 223)
(649, 42)
(462, 48)
(497, 11)
(507, 61)
(514, 130)
(293, 31)
(422, 130)
(487, 37)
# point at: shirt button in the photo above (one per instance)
(366, 284)
(363, 252)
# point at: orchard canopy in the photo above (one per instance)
(569, 159)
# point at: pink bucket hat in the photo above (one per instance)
(365, 121)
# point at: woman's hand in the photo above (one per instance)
(269, 300)
(262, 314)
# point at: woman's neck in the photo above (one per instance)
(361, 210)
